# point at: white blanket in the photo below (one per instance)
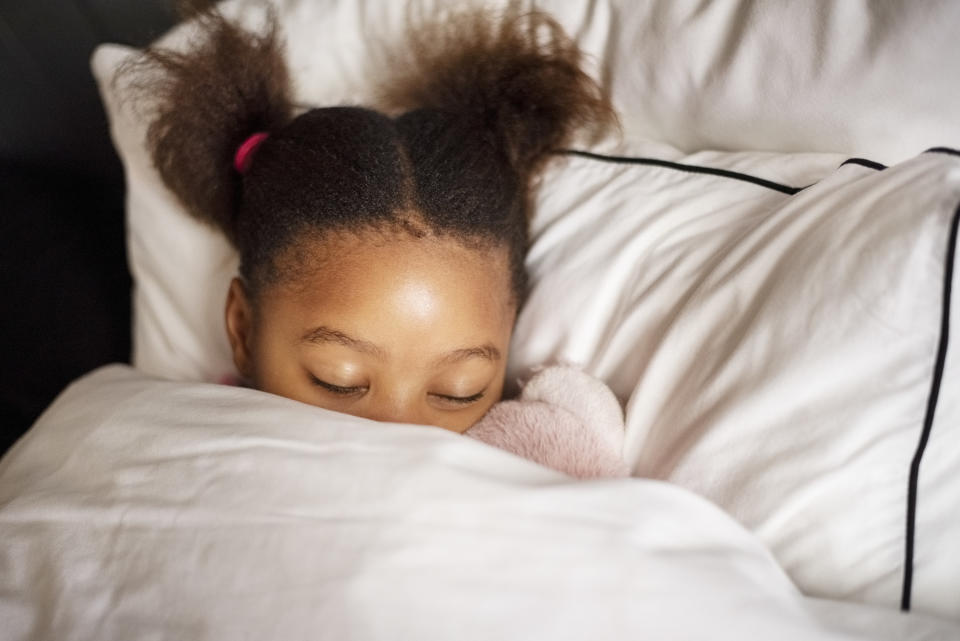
(143, 509)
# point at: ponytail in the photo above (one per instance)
(208, 101)
(482, 103)
(516, 78)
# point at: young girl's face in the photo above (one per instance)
(396, 329)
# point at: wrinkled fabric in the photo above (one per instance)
(138, 508)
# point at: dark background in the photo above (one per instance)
(64, 283)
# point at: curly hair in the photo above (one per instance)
(452, 149)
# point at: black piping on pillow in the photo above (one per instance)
(696, 169)
(931, 405)
(943, 150)
(863, 162)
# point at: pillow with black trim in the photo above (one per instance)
(782, 348)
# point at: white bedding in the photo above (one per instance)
(145, 509)
(775, 352)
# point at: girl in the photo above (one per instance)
(381, 252)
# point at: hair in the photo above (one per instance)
(479, 105)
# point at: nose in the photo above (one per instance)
(396, 409)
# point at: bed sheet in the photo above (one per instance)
(141, 508)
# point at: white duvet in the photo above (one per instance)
(144, 509)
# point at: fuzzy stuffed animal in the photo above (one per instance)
(564, 419)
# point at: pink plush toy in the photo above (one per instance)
(564, 419)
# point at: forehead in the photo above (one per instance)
(385, 286)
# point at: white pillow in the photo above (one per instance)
(781, 354)
(860, 77)
(692, 292)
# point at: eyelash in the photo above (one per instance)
(337, 389)
(462, 400)
(350, 391)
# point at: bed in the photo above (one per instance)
(761, 266)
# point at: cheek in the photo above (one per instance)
(273, 365)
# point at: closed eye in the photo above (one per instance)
(338, 389)
(460, 400)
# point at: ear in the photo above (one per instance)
(239, 320)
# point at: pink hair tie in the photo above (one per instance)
(244, 155)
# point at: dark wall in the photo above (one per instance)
(64, 284)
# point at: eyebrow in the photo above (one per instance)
(322, 334)
(487, 352)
